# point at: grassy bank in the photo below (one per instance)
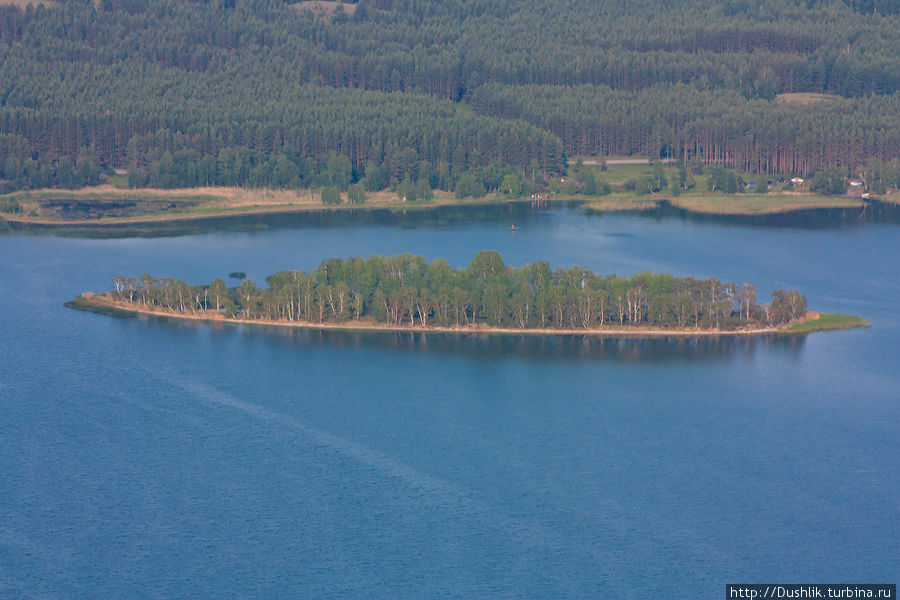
(724, 204)
(109, 205)
(891, 197)
(825, 322)
(759, 204)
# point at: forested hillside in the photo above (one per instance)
(264, 92)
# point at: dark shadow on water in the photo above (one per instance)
(490, 347)
(548, 347)
(431, 218)
(817, 218)
(519, 213)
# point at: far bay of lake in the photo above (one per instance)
(155, 458)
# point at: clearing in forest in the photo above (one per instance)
(805, 98)
(23, 4)
(323, 8)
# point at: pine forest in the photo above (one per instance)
(268, 93)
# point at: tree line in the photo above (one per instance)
(407, 290)
(236, 142)
(712, 126)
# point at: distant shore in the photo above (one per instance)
(160, 207)
(100, 304)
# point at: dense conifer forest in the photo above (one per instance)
(267, 93)
(406, 290)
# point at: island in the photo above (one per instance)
(407, 293)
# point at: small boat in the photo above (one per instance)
(512, 228)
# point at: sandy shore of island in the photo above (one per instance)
(90, 301)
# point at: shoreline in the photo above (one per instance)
(215, 203)
(91, 303)
(699, 204)
(218, 214)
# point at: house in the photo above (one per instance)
(797, 181)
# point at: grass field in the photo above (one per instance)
(723, 204)
(826, 322)
(892, 197)
(700, 200)
(804, 98)
(324, 8)
(23, 4)
(619, 174)
(759, 204)
(620, 202)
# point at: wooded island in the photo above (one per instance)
(406, 292)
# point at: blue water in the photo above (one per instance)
(145, 458)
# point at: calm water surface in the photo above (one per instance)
(151, 458)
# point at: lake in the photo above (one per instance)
(156, 458)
